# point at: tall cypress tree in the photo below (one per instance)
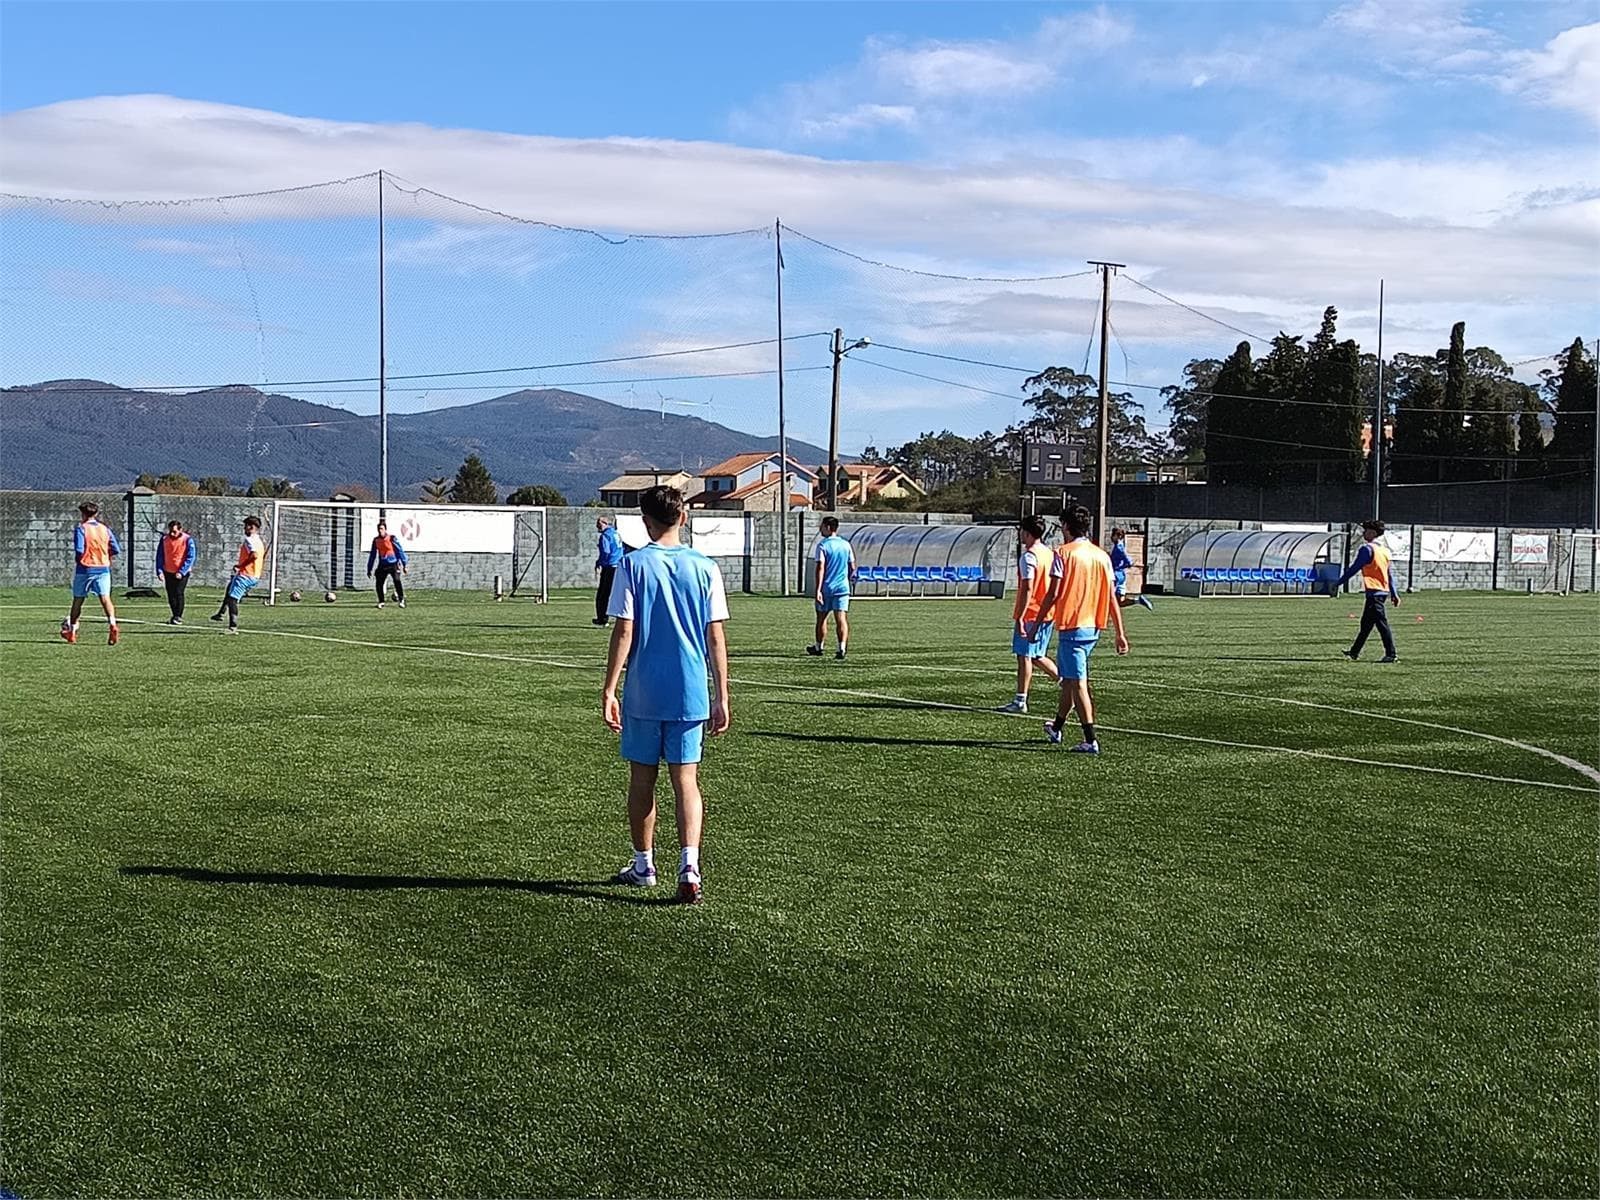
(1280, 376)
(1228, 416)
(1418, 391)
(1452, 440)
(1530, 435)
(1570, 388)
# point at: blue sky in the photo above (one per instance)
(1258, 161)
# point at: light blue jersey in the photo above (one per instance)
(670, 593)
(833, 565)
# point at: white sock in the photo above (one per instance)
(644, 861)
(1021, 697)
(689, 861)
(111, 621)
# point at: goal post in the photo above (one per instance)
(321, 546)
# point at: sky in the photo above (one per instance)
(1256, 162)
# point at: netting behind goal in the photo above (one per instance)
(322, 546)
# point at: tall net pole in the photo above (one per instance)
(1377, 421)
(383, 398)
(783, 437)
(1594, 497)
(1103, 421)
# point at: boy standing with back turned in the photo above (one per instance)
(93, 548)
(669, 604)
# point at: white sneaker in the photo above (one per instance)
(1013, 706)
(1051, 733)
(630, 876)
(380, 603)
(1085, 748)
(402, 604)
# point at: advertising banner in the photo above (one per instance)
(437, 528)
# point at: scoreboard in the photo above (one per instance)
(1052, 464)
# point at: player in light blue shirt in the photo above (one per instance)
(670, 604)
(836, 571)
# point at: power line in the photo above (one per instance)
(1255, 337)
(115, 204)
(302, 383)
(935, 379)
(872, 262)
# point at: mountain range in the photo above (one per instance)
(79, 433)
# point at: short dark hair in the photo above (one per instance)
(830, 524)
(171, 525)
(89, 508)
(1118, 532)
(662, 504)
(252, 522)
(1078, 520)
(1375, 526)
(1032, 523)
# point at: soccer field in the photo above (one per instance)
(313, 911)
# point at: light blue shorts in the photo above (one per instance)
(91, 581)
(1072, 653)
(241, 586)
(649, 742)
(1121, 580)
(839, 603)
(1039, 647)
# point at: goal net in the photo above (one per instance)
(321, 546)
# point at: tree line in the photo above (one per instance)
(473, 484)
(1299, 413)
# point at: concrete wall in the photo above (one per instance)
(315, 553)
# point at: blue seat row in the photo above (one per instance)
(1285, 575)
(919, 574)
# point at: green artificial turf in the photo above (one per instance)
(299, 917)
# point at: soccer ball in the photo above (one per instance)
(330, 597)
(295, 597)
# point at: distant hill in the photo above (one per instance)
(78, 433)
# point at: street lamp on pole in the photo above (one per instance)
(839, 351)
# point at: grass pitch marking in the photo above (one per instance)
(946, 706)
(1572, 764)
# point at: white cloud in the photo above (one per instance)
(1565, 73)
(1294, 240)
(1427, 37)
(901, 85)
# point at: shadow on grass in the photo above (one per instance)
(903, 706)
(584, 889)
(1326, 658)
(933, 742)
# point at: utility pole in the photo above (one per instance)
(1377, 421)
(839, 351)
(383, 388)
(1594, 499)
(833, 425)
(1103, 423)
(783, 438)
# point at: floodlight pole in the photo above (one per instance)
(383, 388)
(1594, 498)
(1377, 421)
(783, 437)
(1103, 422)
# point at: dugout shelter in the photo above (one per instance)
(1248, 562)
(967, 561)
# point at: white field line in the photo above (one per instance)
(1572, 764)
(935, 704)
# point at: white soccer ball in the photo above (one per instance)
(295, 597)
(330, 597)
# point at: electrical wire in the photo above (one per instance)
(935, 379)
(872, 262)
(1255, 337)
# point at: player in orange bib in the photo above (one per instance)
(246, 573)
(1372, 563)
(1083, 599)
(1031, 622)
(93, 548)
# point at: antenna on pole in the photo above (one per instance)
(783, 438)
(1377, 421)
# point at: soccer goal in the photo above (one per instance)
(321, 546)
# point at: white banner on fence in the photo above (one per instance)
(721, 537)
(1530, 548)
(1399, 543)
(437, 529)
(630, 528)
(1457, 546)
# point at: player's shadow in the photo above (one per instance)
(823, 739)
(584, 889)
(902, 705)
